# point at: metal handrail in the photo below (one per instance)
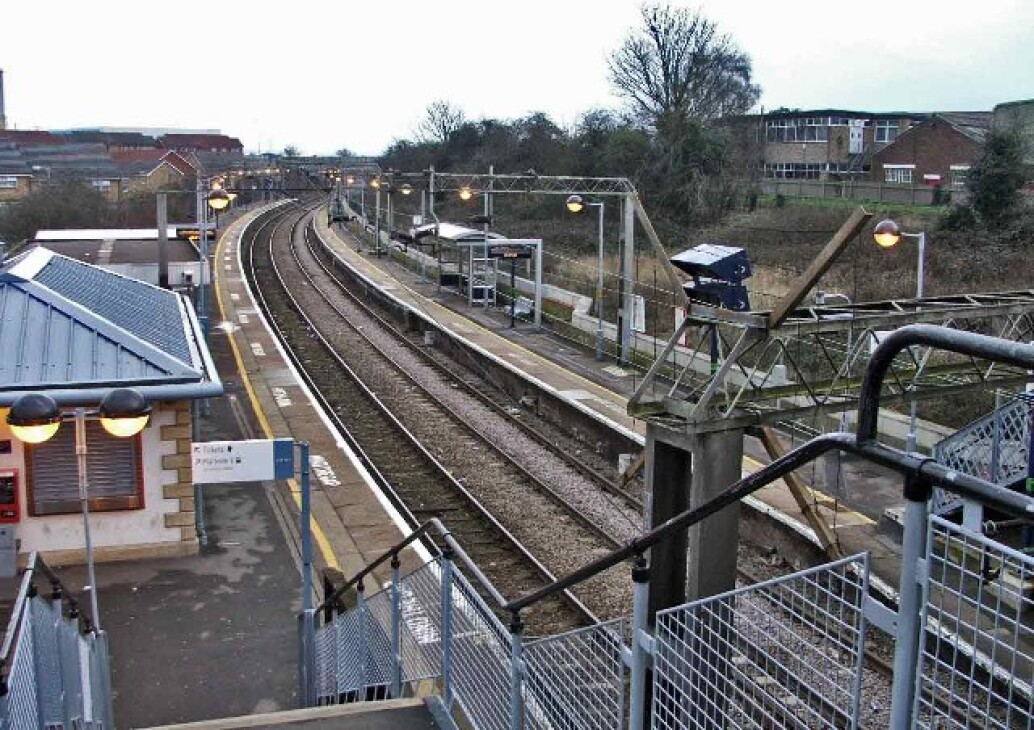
(35, 564)
(452, 545)
(920, 469)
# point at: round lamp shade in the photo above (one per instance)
(218, 199)
(124, 412)
(466, 193)
(886, 233)
(575, 204)
(406, 188)
(34, 418)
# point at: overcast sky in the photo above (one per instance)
(326, 75)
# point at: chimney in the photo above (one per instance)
(3, 118)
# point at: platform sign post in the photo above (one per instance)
(259, 460)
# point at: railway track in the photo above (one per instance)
(347, 324)
(364, 406)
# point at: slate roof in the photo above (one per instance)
(30, 137)
(200, 142)
(974, 125)
(67, 325)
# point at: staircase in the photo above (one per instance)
(994, 447)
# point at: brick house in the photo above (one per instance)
(936, 152)
(74, 331)
(152, 169)
(220, 144)
(818, 144)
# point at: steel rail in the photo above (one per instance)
(458, 488)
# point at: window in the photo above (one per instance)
(886, 130)
(898, 173)
(794, 170)
(959, 175)
(809, 129)
(101, 184)
(8, 182)
(113, 468)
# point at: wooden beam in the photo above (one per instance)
(655, 241)
(800, 288)
(799, 490)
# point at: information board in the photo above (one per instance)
(215, 462)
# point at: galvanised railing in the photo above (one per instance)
(995, 447)
(54, 666)
(785, 653)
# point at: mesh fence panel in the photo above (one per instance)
(71, 669)
(378, 639)
(421, 597)
(46, 619)
(325, 647)
(993, 448)
(481, 659)
(975, 594)
(785, 653)
(20, 704)
(576, 680)
(349, 652)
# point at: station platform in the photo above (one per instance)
(354, 523)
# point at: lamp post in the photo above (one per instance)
(376, 185)
(887, 234)
(35, 417)
(576, 205)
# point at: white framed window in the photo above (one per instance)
(959, 175)
(886, 130)
(8, 182)
(101, 184)
(898, 173)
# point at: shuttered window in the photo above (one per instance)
(114, 473)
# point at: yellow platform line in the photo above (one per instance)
(325, 548)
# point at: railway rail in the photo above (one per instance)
(347, 323)
(364, 394)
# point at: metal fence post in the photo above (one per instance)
(364, 636)
(917, 494)
(104, 660)
(446, 637)
(307, 658)
(396, 628)
(516, 671)
(638, 711)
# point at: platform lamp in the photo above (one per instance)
(887, 234)
(35, 417)
(576, 205)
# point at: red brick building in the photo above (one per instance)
(937, 152)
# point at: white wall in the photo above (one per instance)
(108, 529)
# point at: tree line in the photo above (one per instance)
(678, 77)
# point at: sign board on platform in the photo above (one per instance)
(509, 251)
(254, 460)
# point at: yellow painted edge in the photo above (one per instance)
(326, 550)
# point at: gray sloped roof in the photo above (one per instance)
(68, 326)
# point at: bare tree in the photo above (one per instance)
(440, 121)
(290, 151)
(678, 64)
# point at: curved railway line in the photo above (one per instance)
(436, 461)
(442, 442)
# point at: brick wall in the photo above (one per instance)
(933, 147)
(177, 480)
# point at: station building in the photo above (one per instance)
(75, 331)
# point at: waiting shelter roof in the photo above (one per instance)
(75, 331)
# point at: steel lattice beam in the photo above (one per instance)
(812, 363)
